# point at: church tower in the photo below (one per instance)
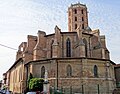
(77, 16)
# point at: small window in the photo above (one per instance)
(21, 49)
(42, 72)
(95, 71)
(82, 19)
(75, 26)
(69, 71)
(75, 11)
(75, 18)
(82, 11)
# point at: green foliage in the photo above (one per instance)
(4, 87)
(58, 92)
(29, 78)
(36, 84)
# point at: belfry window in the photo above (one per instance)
(95, 71)
(82, 11)
(75, 11)
(68, 48)
(82, 26)
(82, 19)
(42, 72)
(75, 18)
(75, 26)
(69, 70)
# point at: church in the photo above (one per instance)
(77, 61)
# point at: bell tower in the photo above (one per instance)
(77, 16)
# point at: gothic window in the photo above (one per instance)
(85, 42)
(69, 70)
(82, 11)
(51, 47)
(42, 72)
(75, 26)
(95, 71)
(75, 18)
(75, 11)
(68, 48)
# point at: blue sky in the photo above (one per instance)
(19, 18)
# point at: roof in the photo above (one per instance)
(117, 66)
(16, 62)
(70, 58)
(78, 5)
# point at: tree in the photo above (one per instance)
(36, 84)
(28, 81)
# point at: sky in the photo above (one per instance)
(19, 18)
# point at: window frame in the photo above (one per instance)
(68, 47)
(75, 18)
(75, 26)
(42, 71)
(69, 70)
(95, 71)
(75, 11)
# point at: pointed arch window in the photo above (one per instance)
(95, 71)
(51, 47)
(69, 71)
(68, 48)
(85, 42)
(42, 72)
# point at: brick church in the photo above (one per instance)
(77, 59)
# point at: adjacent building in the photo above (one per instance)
(77, 61)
